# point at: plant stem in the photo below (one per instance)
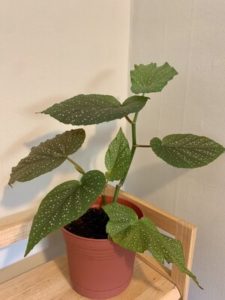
(103, 199)
(143, 146)
(77, 167)
(129, 120)
(133, 149)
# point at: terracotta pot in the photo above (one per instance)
(99, 269)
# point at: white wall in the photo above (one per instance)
(190, 35)
(51, 50)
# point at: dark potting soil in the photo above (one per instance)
(91, 225)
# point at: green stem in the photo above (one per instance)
(143, 146)
(133, 149)
(129, 120)
(77, 167)
(104, 199)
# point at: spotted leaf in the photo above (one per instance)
(120, 217)
(65, 203)
(47, 155)
(135, 103)
(118, 157)
(151, 78)
(168, 249)
(138, 235)
(126, 229)
(94, 109)
(186, 150)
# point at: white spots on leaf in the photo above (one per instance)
(91, 109)
(118, 155)
(65, 203)
(47, 155)
(187, 150)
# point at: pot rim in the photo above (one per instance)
(83, 237)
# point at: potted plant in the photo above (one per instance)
(103, 234)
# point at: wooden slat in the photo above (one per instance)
(155, 265)
(187, 236)
(51, 281)
(15, 227)
(23, 266)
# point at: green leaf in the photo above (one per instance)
(168, 249)
(120, 217)
(118, 157)
(125, 229)
(151, 78)
(186, 150)
(93, 109)
(135, 237)
(65, 203)
(135, 103)
(47, 155)
(138, 235)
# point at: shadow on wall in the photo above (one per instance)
(150, 178)
(23, 193)
(103, 76)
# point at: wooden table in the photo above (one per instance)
(51, 281)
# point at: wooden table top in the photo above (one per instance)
(51, 281)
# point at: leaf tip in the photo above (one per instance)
(42, 112)
(11, 181)
(28, 249)
(172, 68)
